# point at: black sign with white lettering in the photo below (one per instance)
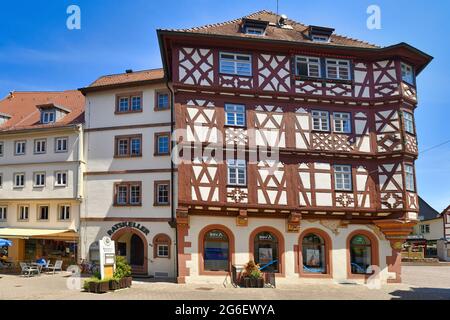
(128, 224)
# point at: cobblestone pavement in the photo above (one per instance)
(428, 282)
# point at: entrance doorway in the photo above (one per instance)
(134, 247)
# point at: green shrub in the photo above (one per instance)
(123, 269)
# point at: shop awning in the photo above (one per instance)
(16, 233)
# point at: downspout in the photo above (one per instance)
(173, 222)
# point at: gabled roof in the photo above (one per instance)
(426, 211)
(25, 113)
(126, 79)
(298, 32)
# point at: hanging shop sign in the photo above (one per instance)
(128, 224)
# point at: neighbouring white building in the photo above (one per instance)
(41, 171)
(443, 245)
(128, 181)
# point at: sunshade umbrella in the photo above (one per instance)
(5, 243)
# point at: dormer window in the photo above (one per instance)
(254, 27)
(3, 118)
(51, 113)
(254, 31)
(48, 117)
(320, 34)
(320, 38)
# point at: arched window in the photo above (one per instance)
(216, 255)
(360, 254)
(161, 246)
(266, 251)
(313, 254)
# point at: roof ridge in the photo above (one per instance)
(125, 73)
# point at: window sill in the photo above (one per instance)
(156, 109)
(161, 204)
(60, 186)
(323, 80)
(232, 126)
(236, 186)
(235, 75)
(127, 205)
(127, 112)
(343, 191)
(127, 157)
(161, 154)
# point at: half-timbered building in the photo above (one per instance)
(296, 149)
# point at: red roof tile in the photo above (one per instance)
(298, 32)
(23, 107)
(123, 78)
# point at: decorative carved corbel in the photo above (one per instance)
(242, 218)
(183, 216)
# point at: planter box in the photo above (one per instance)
(252, 282)
(98, 287)
(126, 282)
(114, 285)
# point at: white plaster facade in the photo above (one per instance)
(104, 170)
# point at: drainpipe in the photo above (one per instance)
(173, 223)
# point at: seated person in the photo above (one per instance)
(41, 261)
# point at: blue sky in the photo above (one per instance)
(38, 52)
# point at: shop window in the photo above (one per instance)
(313, 253)
(360, 254)
(216, 255)
(266, 251)
(161, 246)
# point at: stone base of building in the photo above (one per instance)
(207, 244)
(148, 246)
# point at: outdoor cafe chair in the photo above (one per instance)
(27, 270)
(56, 267)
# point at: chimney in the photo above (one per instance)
(11, 94)
(129, 71)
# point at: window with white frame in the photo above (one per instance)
(136, 104)
(64, 212)
(61, 178)
(407, 73)
(235, 63)
(122, 195)
(135, 194)
(254, 31)
(424, 228)
(19, 180)
(320, 38)
(163, 250)
(124, 104)
(307, 67)
(40, 146)
(20, 147)
(409, 122)
(162, 101)
(48, 117)
(321, 120)
(23, 212)
(338, 69)
(343, 177)
(43, 212)
(162, 189)
(409, 177)
(235, 115)
(2, 146)
(39, 179)
(341, 121)
(237, 172)
(3, 213)
(61, 144)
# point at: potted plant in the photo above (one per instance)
(252, 276)
(122, 274)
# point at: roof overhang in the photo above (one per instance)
(46, 128)
(52, 106)
(86, 90)
(407, 52)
